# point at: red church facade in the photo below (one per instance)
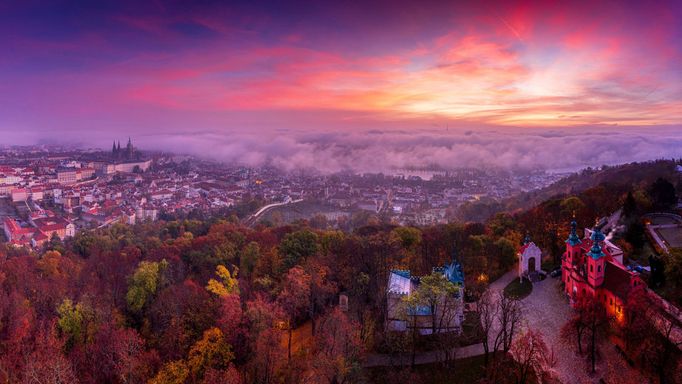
(590, 268)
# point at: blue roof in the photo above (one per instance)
(420, 310)
(453, 272)
(597, 236)
(401, 272)
(573, 238)
(596, 251)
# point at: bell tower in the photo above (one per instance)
(595, 259)
(573, 245)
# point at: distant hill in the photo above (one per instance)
(629, 175)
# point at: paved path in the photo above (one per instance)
(546, 309)
(652, 230)
(384, 360)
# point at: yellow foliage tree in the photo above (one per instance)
(174, 372)
(227, 284)
(212, 351)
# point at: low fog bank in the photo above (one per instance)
(383, 151)
(512, 149)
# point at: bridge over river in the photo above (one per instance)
(251, 220)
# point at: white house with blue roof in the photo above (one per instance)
(449, 310)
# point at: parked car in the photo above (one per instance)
(556, 272)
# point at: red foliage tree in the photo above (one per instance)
(533, 358)
(337, 350)
(294, 298)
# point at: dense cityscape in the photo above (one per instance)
(51, 190)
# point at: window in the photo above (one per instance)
(599, 268)
(591, 268)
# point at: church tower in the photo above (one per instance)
(573, 244)
(596, 259)
(129, 149)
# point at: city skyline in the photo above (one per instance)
(333, 86)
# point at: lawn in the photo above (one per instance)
(642, 255)
(464, 371)
(471, 334)
(518, 289)
(673, 236)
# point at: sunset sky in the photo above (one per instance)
(161, 71)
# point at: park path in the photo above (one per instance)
(546, 310)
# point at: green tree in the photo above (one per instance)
(224, 253)
(635, 235)
(71, 322)
(144, 284)
(83, 242)
(297, 246)
(437, 293)
(663, 195)
(629, 205)
(409, 238)
(506, 252)
(409, 305)
(501, 223)
(249, 258)
(673, 272)
(571, 205)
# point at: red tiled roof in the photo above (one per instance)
(48, 224)
(617, 279)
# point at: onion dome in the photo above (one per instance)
(573, 238)
(597, 237)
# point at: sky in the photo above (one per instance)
(349, 85)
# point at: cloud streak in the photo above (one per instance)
(500, 63)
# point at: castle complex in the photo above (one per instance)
(449, 310)
(594, 267)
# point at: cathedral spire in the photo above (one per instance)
(597, 237)
(573, 238)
